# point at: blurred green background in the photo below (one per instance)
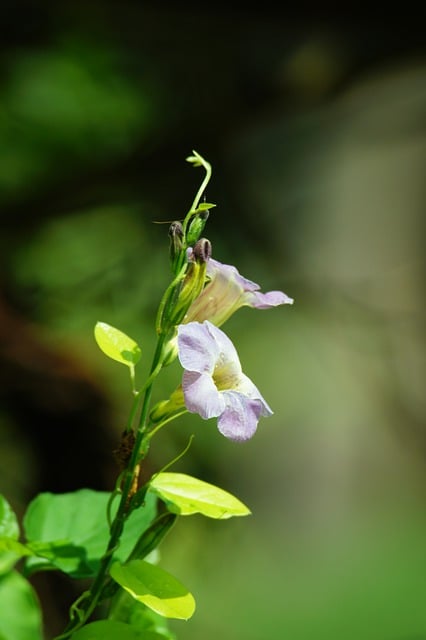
(314, 122)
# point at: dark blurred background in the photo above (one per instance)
(314, 122)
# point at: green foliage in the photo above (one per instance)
(73, 106)
(111, 540)
(186, 495)
(155, 588)
(8, 521)
(10, 549)
(141, 618)
(117, 345)
(113, 630)
(20, 617)
(70, 531)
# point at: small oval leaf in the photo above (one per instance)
(155, 588)
(117, 345)
(186, 495)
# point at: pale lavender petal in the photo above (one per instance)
(248, 290)
(247, 388)
(227, 356)
(197, 349)
(213, 383)
(201, 395)
(260, 300)
(229, 272)
(240, 417)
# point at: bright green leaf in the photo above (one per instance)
(20, 617)
(108, 630)
(8, 522)
(186, 495)
(155, 588)
(126, 609)
(13, 546)
(70, 530)
(117, 345)
(10, 550)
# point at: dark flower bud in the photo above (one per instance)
(176, 235)
(176, 241)
(202, 250)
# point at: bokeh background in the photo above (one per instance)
(314, 122)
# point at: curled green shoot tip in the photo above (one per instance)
(198, 161)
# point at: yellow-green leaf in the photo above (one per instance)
(186, 495)
(117, 345)
(155, 588)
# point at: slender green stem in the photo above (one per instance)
(158, 426)
(208, 168)
(91, 599)
(139, 395)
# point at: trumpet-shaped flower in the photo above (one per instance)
(226, 291)
(213, 383)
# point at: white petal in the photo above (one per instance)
(239, 420)
(197, 349)
(201, 395)
(247, 388)
(227, 357)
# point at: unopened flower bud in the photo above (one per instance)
(202, 250)
(166, 408)
(184, 290)
(196, 227)
(176, 240)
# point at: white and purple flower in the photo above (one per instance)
(213, 383)
(226, 290)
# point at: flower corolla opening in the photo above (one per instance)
(225, 291)
(213, 383)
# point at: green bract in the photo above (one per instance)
(117, 345)
(155, 588)
(186, 495)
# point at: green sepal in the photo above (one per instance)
(204, 206)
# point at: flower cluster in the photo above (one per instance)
(213, 383)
